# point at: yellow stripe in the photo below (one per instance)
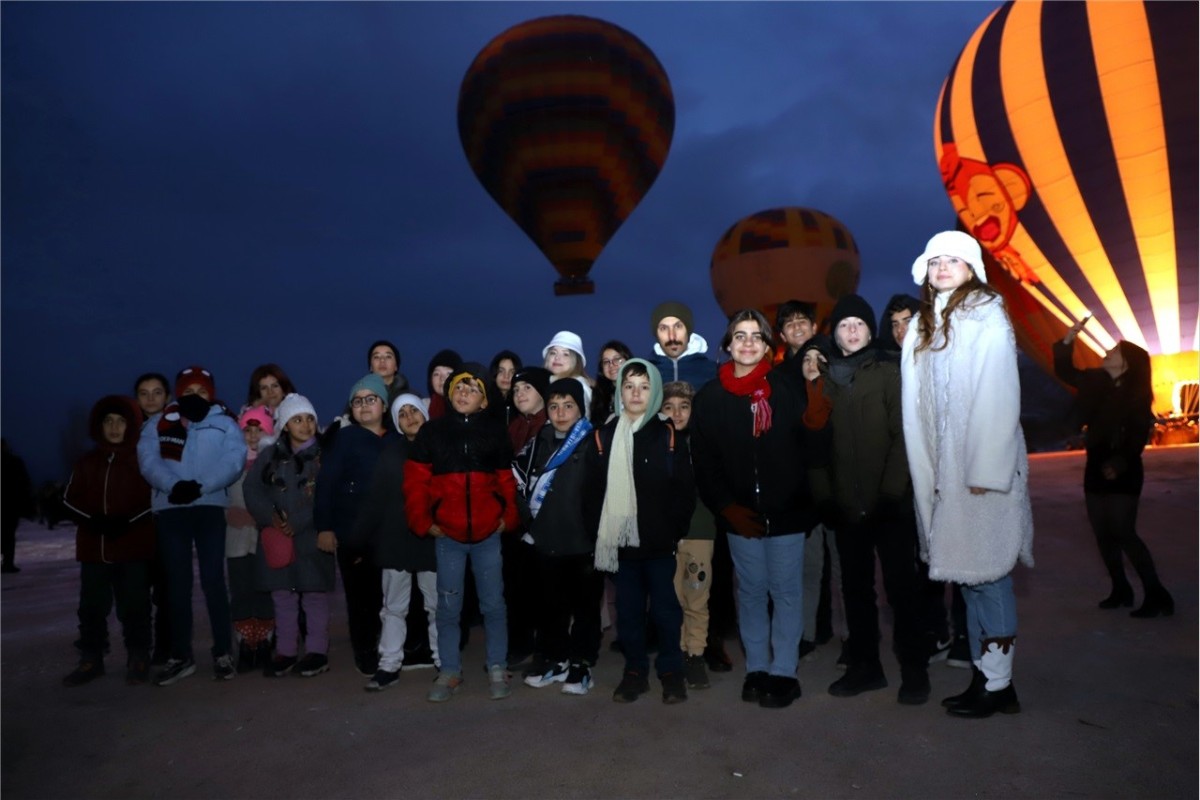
(1031, 117)
(1129, 88)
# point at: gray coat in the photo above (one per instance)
(283, 480)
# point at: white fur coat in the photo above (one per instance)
(962, 429)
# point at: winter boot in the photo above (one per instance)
(998, 692)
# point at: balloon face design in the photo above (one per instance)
(567, 121)
(1066, 135)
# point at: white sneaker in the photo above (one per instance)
(578, 681)
(556, 674)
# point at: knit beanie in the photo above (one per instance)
(370, 382)
(191, 376)
(950, 243)
(389, 346)
(472, 373)
(407, 399)
(292, 405)
(569, 340)
(537, 377)
(851, 305)
(671, 308)
(261, 416)
(571, 387)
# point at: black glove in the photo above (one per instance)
(109, 526)
(743, 521)
(184, 492)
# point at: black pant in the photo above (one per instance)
(1114, 521)
(246, 602)
(895, 540)
(99, 584)
(8, 538)
(571, 589)
(722, 612)
(162, 607)
(521, 593)
(362, 582)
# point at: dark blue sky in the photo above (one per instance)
(233, 183)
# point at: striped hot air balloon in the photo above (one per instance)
(1066, 134)
(784, 254)
(566, 121)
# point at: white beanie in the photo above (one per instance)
(569, 340)
(950, 243)
(408, 399)
(292, 405)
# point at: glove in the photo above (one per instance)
(743, 521)
(184, 492)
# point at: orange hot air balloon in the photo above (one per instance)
(784, 254)
(1066, 135)
(566, 121)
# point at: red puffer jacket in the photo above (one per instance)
(108, 495)
(459, 477)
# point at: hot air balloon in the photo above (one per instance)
(784, 254)
(566, 121)
(1066, 135)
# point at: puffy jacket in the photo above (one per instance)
(347, 467)
(560, 528)
(459, 477)
(108, 495)
(213, 456)
(382, 519)
(694, 366)
(765, 474)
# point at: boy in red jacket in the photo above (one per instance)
(459, 488)
(114, 542)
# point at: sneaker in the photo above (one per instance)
(557, 673)
(694, 670)
(421, 658)
(381, 680)
(137, 670)
(313, 664)
(779, 692)
(9, 568)
(499, 681)
(445, 686)
(959, 654)
(858, 679)
(674, 687)
(279, 666)
(223, 668)
(87, 671)
(939, 650)
(519, 659)
(538, 667)
(176, 670)
(579, 680)
(717, 659)
(632, 686)
(754, 686)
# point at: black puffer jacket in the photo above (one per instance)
(765, 474)
(382, 521)
(560, 528)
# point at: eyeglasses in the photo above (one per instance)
(613, 362)
(369, 400)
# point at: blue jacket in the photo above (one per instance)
(694, 366)
(346, 471)
(213, 456)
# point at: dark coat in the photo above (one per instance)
(283, 480)
(346, 471)
(765, 474)
(382, 519)
(107, 494)
(663, 480)
(560, 528)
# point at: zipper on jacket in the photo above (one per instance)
(467, 464)
(104, 501)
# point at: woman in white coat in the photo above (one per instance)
(966, 452)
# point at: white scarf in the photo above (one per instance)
(618, 516)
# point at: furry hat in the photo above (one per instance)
(261, 416)
(950, 243)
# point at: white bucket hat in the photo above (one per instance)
(569, 340)
(950, 243)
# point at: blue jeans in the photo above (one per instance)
(178, 529)
(652, 579)
(489, 583)
(991, 612)
(770, 567)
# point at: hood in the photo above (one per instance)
(897, 303)
(116, 404)
(696, 346)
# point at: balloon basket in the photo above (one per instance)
(566, 286)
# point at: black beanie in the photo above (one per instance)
(570, 387)
(537, 377)
(852, 305)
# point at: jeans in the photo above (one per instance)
(178, 529)
(771, 567)
(487, 568)
(991, 612)
(129, 583)
(637, 581)
(287, 621)
(397, 594)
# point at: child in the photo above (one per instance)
(641, 498)
(279, 493)
(252, 611)
(550, 476)
(693, 556)
(114, 542)
(459, 489)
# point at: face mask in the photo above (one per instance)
(193, 407)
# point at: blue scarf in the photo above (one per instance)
(576, 435)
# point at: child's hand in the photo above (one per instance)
(326, 541)
(436, 532)
(282, 524)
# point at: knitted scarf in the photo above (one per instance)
(618, 515)
(755, 386)
(172, 433)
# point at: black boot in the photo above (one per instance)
(1158, 603)
(978, 683)
(859, 678)
(986, 703)
(914, 686)
(1122, 595)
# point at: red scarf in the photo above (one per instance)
(754, 386)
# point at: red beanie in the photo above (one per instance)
(189, 376)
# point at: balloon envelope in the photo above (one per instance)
(566, 121)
